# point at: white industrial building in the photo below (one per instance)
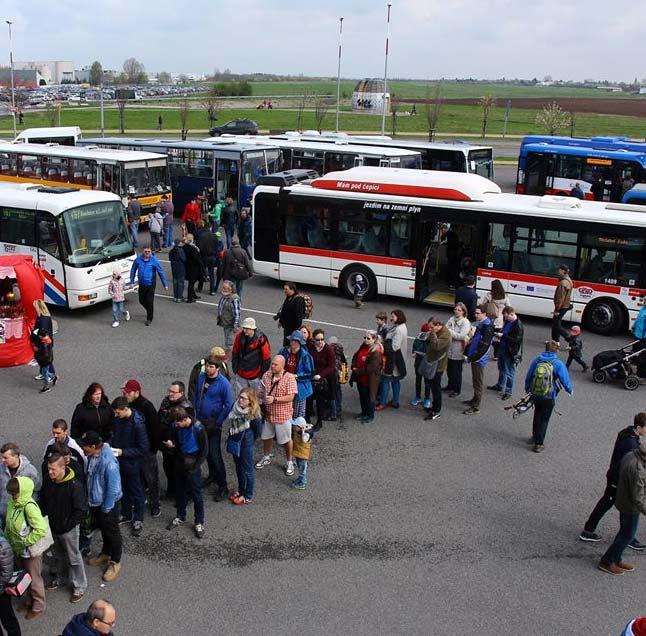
(50, 72)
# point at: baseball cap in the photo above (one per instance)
(218, 352)
(249, 323)
(91, 438)
(132, 385)
(576, 330)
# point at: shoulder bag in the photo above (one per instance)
(46, 541)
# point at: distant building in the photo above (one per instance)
(51, 72)
(368, 96)
(27, 79)
(83, 75)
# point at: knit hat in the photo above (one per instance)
(638, 627)
(132, 385)
(217, 352)
(249, 323)
(91, 438)
(576, 330)
(426, 327)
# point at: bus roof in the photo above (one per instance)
(490, 200)
(55, 200)
(80, 152)
(603, 143)
(49, 132)
(192, 144)
(260, 140)
(585, 151)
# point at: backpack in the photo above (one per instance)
(238, 269)
(543, 380)
(340, 363)
(309, 305)
(419, 346)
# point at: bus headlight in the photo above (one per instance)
(86, 297)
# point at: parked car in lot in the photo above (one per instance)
(235, 127)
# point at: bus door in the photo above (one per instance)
(539, 171)
(50, 259)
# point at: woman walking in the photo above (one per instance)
(366, 372)
(394, 371)
(459, 327)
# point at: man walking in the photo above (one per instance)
(630, 501)
(213, 401)
(545, 377)
(627, 441)
(104, 493)
(477, 353)
(277, 391)
(236, 265)
(229, 314)
(509, 352)
(150, 473)
(147, 268)
(130, 446)
(562, 303)
(250, 356)
(64, 502)
(133, 214)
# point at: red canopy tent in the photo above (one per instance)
(15, 348)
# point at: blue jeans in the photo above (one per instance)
(382, 396)
(168, 235)
(189, 482)
(244, 466)
(134, 232)
(229, 234)
(48, 374)
(239, 285)
(628, 522)
(302, 471)
(133, 503)
(367, 405)
(118, 309)
(178, 287)
(506, 372)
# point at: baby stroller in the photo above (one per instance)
(618, 364)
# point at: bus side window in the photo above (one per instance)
(538, 251)
(400, 233)
(497, 256)
(8, 164)
(17, 226)
(361, 232)
(611, 259)
(47, 239)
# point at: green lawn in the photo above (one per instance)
(454, 119)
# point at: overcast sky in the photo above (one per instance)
(568, 39)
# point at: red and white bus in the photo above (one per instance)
(416, 234)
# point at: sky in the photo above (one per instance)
(429, 39)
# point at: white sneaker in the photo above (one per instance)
(115, 323)
(33, 363)
(38, 377)
(290, 469)
(127, 316)
(265, 460)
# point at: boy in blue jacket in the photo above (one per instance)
(545, 377)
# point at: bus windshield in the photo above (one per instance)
(94, 232)
(145, 180)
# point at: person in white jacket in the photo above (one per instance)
(156, 227)
(459, 327)
(395, 346)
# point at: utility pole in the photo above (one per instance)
(383, 110)
(338, 76)
(13, 95)
(101, 101)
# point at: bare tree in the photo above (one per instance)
(433, 108)
(133, 69)
(184, 110)
(212, 105)
(321, 107)
(486, 102)
(122, 102)
(50, 113)
(300, 110)
(553, 118)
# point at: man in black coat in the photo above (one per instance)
(468, 295)
(208, 245)
(194, 268)
(292, 313)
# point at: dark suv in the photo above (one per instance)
(235, 127)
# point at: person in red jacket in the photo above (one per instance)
(192, 213)
(250, 356)
(324, 378)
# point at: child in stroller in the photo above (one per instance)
(618, 364)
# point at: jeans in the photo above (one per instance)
(133, 503)
(367, 405)
(436, 389)
(134, 232)
(228, 231)
(454, 375)
(557, 328)
(604, 504)
(150, 478)
(178, 287)
(155, 241)
(299, 408)
(628, 522)
(147, 300)
(245, 465)
(302, 471)
(477, 375)
(382, 397)
(168, 235)
(108, 525)
(239, 285)
(506, 372)
(68, 560)
(118, 309)
(48, 374)
(418, 386)
(189, 481)
(542, 412)
(8, 616)
(215, 461)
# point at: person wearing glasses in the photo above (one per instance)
(324, 378)
(100, 618)
(366, 372)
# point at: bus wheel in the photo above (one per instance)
(347, 278)
(603, 316)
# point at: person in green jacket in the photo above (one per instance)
(216, 215)
(24, 526)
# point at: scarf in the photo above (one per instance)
(239, 419)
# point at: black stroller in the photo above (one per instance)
(618, 364)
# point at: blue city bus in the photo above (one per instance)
(231, 169)
(600, 143)
(604, 174)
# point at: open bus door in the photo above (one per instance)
(539, 171)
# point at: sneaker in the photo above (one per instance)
(155, 511)
(265, 460)
(199, 530)
(221, 494)
(175, 523)
(368, 420)
(453, 394)
(101, 559)
(297, 485)
(635, 545)
(415, 402)
(76, 597)
(505, 396)
(289, 470)
(127, 316)
(38, 377)
(433, 416)
(239, 500)
(123, 519)
(147, 323)
(626, 567)
(494, 387)
(380, 407)
(112, 571)
(468, 402)
(137, 528)
(55, 380)
(52, 585)
(590, 536)
(427, 404)
(538, 448)
(472, 411)
(33, 363)
(115, 323)
(46, 388)
(611, 568)
(393, 405)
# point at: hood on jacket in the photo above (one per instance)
(69, 476)
(627, 433)
(26, 491)
(548, 356)
(78, 627)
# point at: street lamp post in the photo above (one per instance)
(13, 96)
(102, 120)
(383, 110)
(338, 75)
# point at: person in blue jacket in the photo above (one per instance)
(213, 400)
(546, 375)
(299, 362)
(130, 445)
(98, 620)
(477, 353)
(147, 268)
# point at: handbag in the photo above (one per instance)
(234, 444)
(428, 368)
(45, 542)
(18, 584)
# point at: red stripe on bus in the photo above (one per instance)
(348, 256)
(52, 281)
(428, 192)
